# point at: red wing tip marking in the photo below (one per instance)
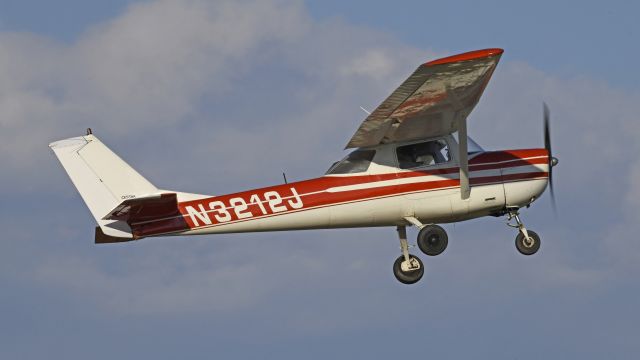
(471, 55)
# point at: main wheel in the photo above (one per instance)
(407, 277)
(432, 240)
(528, 247)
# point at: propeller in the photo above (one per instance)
(547, 145)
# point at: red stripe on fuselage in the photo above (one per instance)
(311, 194)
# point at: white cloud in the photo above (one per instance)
(374, 63)
(160, 64)
(142, 79)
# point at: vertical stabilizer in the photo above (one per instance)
(102, 178)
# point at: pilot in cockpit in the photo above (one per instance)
(422, 154)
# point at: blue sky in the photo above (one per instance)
(211, 97)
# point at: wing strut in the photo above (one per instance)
(463, 152)
(465, 190)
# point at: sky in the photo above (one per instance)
(220, 96)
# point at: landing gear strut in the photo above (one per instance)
(527, 241)
(408, 269)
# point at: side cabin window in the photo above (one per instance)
(356, 162)
(423, 154)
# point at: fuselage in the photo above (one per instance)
(383, 194)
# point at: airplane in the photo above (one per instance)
(413, 164)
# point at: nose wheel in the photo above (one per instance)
(408, 269)
(527, 241)
(530, 245)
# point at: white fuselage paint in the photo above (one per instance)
(441, 205)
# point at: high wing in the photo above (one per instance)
(435, 100)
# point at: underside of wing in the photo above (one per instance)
(431, 102)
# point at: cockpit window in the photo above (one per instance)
(472, 146)
(356, 162)
(423, 154)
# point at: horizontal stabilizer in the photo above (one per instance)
(150, 215)
(147, 208)
(102, 238)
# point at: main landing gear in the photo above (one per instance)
(527, 241)
(432, 240)
(408, 269)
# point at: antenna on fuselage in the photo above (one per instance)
(365, 110)
(284, 176)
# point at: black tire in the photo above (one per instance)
(409, 277)
(432, 240)
(525, 248)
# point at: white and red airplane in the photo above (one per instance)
(411, 166)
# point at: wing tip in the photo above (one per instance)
(471, 55)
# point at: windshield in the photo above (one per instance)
(356, 162)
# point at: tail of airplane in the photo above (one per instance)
(104, 181)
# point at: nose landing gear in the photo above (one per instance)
(527, 241)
